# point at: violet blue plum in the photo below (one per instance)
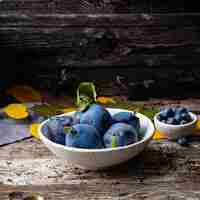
(56, 126)
(66, 120)
(76, 117)
(128, 118)
(97, 116)
(83, 136)
(47, 132)
(120, 134)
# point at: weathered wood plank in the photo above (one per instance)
(98, 6)
(159, 158)
(160, 74)
(150, 80)
(162, 167)
(102, 191)
(75, 6)
(100, 40)
(28, 167)
(97, 20)
(26, 149)
(103, 40)
(106, 41)
(78, 38)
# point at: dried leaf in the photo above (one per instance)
(70, 109)
(198, 124)
(16, 111)
(137, 107)
(158, 135)
(47, 110)
(33, 129)
(24, 93)
(196, 131)
(106, 100)
(148, 111)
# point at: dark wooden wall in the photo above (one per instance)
(150, 45)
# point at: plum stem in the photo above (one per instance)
(67, 129)
(114, 141)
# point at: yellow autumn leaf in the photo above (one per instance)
(33, 129)
(196, 130)
(70, 109)
(158, 135)
(16, 111)
(105, 100)
(198, 125)
(137, 109)
(24, 93)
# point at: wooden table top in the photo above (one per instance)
(164, 170)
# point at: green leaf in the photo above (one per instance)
(47, 110)
(149, 112)
(114, 141)
(67, 129)
(86, 95)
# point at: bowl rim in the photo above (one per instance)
(194, 116)
(74, 149)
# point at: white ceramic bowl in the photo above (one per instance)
(175, 131)
(95, 159)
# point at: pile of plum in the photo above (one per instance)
(93, 128)
(175, 116)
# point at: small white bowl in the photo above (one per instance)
(175, 131)
(95, 159)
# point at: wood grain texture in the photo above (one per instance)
(101, 40)
(162, 167)
(74, 31)
(97, 20)
(144, 37)
(98, 6)
(158, 47)
(164, 170)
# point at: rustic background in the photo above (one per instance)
(136, 48)
(140, 48)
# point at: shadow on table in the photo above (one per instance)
(150, 162)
